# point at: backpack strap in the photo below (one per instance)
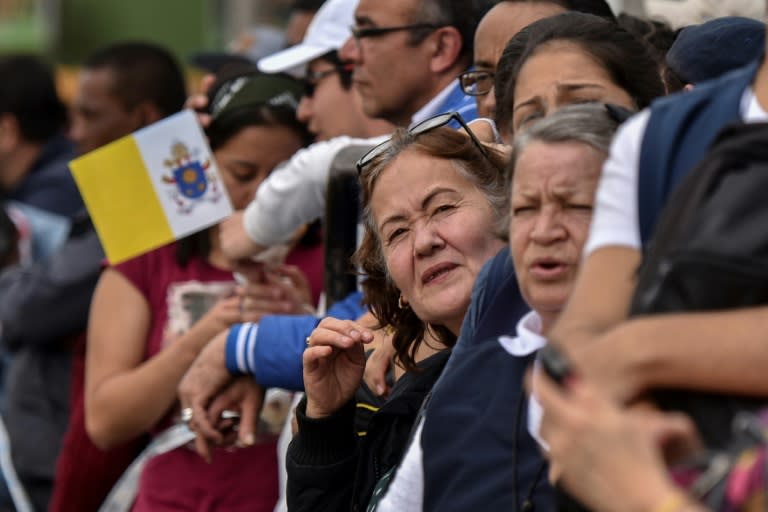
(679, 132)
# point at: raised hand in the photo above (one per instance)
(334, 363)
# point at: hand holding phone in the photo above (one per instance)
(555, 364)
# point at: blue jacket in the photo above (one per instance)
(477, 452)
(272, 349)
(679, 132)
(49, 185)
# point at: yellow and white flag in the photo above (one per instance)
(154, 186)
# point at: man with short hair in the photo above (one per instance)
(122, 88)
(34, 151)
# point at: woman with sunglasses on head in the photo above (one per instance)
(153, 314)
(433, 197)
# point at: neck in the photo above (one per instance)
(376, 127)
(439, 84)
(760, 85)
(18, 164)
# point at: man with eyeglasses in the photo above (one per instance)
(408, 53)
(495, 30)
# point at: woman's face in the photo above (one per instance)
(551, 207)
(247, 158)
(561, 73)
(436, 230)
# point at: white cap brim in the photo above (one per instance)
(291, 58)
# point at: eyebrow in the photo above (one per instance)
(363, 20)
(573, 87)
(424, 203)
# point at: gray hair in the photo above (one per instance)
(593, 124)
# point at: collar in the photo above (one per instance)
(528, 339)
(433, 107)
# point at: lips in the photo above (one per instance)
(549, 269)
(437, 273)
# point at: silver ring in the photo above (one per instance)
(186, 414)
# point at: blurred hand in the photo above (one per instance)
(244, 396)
(207, 376)
(283, 290)
(199, 101)
(609, 458)
(224, 313)
(334, 363)
(235, 242)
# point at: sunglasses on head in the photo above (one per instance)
(432, 123)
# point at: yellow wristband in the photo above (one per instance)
(673, 502)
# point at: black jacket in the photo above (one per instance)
(331, 468)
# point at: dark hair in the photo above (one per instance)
(143, 72)
(219, 132)
(380, 292)
(28, 92)
(463, 15)
(658, 37)
(345, 70)
(596, 7)
(624, 58)
(307, 5)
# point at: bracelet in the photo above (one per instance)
(673, 502)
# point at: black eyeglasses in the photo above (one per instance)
(419, 128)
(363, 32)
(476, 83)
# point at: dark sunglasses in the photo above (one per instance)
(419, 128)
(363, 32)
(314, 78)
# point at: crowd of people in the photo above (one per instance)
(500, 333)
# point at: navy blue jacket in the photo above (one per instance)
(477, 452)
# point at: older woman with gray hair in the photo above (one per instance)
(478, 408)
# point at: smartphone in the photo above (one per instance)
(555, 364)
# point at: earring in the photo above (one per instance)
(402, 303)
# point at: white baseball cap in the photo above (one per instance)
(328, 31)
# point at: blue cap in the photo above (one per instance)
(706, 51)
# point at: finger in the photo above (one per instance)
(296, 276)
(202, 448)
(347, 328)
(203, 425)
(249, 417)
(313, 356)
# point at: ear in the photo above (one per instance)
(445, 46)
(147, 113)
(10, 133)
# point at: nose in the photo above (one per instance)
(548, 228)
(76, 131)
(427, 239)
(486, 104)
(304, 112)
(350, 50)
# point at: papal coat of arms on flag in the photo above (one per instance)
(192, 179)
(157, 185)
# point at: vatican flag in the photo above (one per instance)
(154, 186)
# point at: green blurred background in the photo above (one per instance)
(66, 31)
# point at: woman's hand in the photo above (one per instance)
(334, 363)
(609, 458)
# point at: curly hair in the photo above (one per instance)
(380, 292)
